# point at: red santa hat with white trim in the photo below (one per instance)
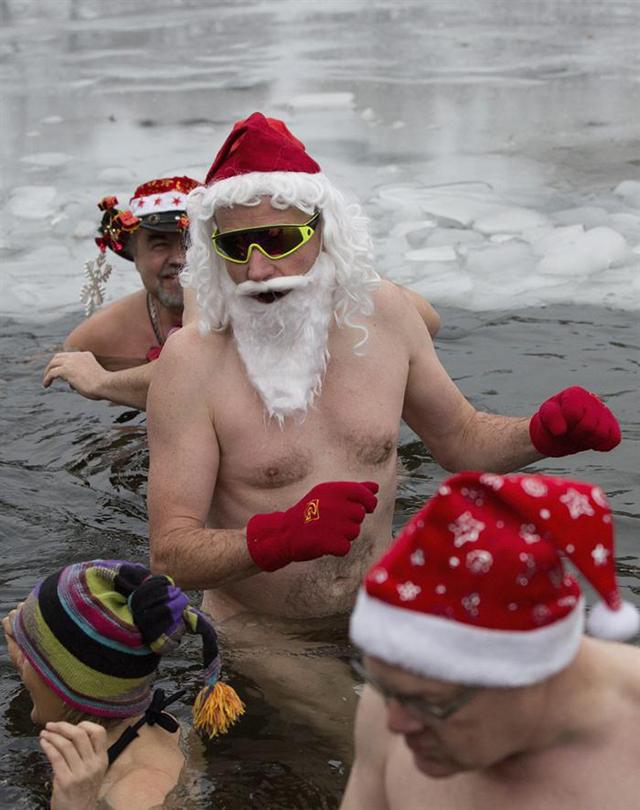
(475, 591)
(260, 144)
(262, 158)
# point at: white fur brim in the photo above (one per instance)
(440, 648)
(312, 188)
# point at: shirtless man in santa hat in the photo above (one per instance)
(108, 356)
(482, 693)
(273, 421)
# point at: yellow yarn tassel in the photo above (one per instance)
(216, 709)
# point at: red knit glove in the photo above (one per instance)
(325, 521)
(573, 420)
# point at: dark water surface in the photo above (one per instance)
(72, 487)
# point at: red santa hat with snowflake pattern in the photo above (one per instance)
(474, 590)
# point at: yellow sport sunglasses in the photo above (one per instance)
(273, 241)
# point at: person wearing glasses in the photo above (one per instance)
(108, 356)
(273, 420)
(481, 690)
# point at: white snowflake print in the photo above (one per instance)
(540, 613)
(445, 490)
(474, 495)
(466, 529)
(440, 589)
(599, 497)
(576, 503)
(408, 591)
(479, 561)
(545, 514)
(529, 534)
(380, 576)
(534, 487)
(566, 601)
(454, 562)
(600, 554)
(470, 603)
(529, 561)
(491, 480)
(417, 558)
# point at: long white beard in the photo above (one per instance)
(283, 345)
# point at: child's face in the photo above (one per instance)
(47, 706)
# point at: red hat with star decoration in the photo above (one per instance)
(159, 205)
(475, 591)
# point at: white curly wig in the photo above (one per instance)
(345, 239)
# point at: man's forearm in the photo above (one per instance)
(128, 386)
(199, 559)
(491, 443)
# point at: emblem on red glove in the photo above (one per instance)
(312, 510)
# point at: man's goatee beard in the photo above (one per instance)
(283, 344)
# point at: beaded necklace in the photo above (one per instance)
(154, 319)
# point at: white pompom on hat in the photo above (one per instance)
(474, 590)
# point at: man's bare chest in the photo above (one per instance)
(351, 429)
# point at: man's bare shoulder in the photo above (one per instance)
(395, 317)
(394, 307)
(205, 349)
(366, 786)
(190, 361)
(623, 662)
(98, 332)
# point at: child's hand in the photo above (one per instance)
(78, 756)
(15, 653)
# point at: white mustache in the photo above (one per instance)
(278, 284)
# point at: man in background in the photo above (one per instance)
(109, 355)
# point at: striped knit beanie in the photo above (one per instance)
(95, 632)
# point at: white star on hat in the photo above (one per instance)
(600, 554)
(576, 503)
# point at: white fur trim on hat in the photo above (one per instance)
(436, 647)
(614, 625)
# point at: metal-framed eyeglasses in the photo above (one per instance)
(414, 705)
